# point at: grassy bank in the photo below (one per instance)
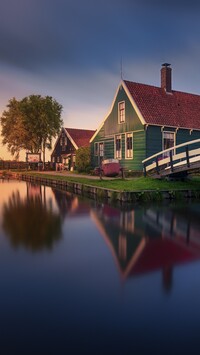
(134, 184)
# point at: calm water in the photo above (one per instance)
(79, 277)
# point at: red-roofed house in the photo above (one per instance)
(67, 143)
(144, 120)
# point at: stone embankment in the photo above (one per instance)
(111, 195)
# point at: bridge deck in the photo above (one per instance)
(180, 159)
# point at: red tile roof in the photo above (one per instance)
(178, 109)
(80, 136)
(161, 253)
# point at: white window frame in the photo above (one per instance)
(163, 148)
(118, 153)
(96, 149)
(129, 152)
(121, 112)
(101, 144)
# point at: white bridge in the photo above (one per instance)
(178, 160)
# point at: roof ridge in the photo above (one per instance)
(79, 129)
(158, 87)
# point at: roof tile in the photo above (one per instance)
(80, 136)
(177, 109)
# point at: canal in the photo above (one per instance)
(81, 277)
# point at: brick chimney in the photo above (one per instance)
(166, 77)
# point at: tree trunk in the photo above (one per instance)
(43, 153)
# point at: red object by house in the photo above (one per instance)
(111, 167)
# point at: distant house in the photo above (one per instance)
(67, 143)
(144, 120)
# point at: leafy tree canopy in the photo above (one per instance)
(30, 124)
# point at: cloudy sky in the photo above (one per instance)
(73, 50)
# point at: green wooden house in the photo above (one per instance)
(144, 120)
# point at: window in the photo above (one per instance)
(101, 149)
(168, 141)
(121, 112)
(129, 145)
(63, 141)
(118, 147)
(96, 149)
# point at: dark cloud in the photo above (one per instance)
(167, 5)
(46, 35)
(72, 50)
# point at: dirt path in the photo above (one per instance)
(71, 174)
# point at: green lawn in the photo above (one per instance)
(134, 184)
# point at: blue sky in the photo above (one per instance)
(72, 50)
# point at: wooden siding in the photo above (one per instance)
(132, 122)
(139, 149)
(153, 140)
(184, 135)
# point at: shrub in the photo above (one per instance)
(83, 161)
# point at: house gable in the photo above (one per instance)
(114, 132)
(63, 145)
(133, 117)
(132, 121)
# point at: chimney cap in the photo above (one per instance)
(166, 65)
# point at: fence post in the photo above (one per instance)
(145, 172)
(157, 166)
(187, 156)
(171, 161)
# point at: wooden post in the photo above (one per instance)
(171, 160)
(157, 166)
(123, 173)
(100, 173)
(187, 156)
(145, 172)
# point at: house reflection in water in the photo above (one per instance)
(144, 240)
(70, 205)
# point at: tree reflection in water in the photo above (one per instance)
(30, 223)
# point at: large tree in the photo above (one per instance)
(31, 123)
(14, 132)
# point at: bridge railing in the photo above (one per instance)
(172, 158)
